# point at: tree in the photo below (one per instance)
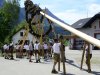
(15, 30)
(8, 17)
(11, 12)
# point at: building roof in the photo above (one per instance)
(80, 23)
(83, 23)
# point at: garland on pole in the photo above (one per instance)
(33, 10)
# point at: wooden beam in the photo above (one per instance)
(74, 31)
(83, 56)
(63, 55)
(70, 36)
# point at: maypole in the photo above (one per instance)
(74, 31)
(34, 10)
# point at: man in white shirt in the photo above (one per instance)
(45, 46)
(11, 47)
(6, 50)
(26, 47)
(56, 51)
(36, 51)
(18, 46)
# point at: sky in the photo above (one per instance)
(69, 11)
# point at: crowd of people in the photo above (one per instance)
(28, 50)
(8, 51)
(40, 51)
(46, 51)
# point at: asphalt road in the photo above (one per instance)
(24, 67)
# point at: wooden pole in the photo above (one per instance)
(89, 65)
(24, 38)
(41, 38)
(62, 55)
(83, 56)
(74, 31)
(59, 65)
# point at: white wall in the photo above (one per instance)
(17, 37)
(91, 31)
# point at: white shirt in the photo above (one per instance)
(5, 46)
(11, 44)
(17, 47)
(45, 46)
(26, 47)
(36, 46)
(56, 48)
(30, 47)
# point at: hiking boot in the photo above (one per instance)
(11, 58)
(38, 60)
(30, 61)
(54, 71)
(89, 71)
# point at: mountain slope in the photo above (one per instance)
(1, 3)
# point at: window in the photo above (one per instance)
(99, 23)
(94, 27)
(27, 41)
(21, 33)
(97, 35)
(20, 41)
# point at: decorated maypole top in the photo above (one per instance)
(31, 10)
(34, 18)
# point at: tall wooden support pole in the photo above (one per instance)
(41, 38)
(89, 65)
(83, 56)
(59, 65)
(24, 38)
(62, 55)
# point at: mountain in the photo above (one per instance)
(53, 16)
(21, 14)
(1, 3)
(57, 29)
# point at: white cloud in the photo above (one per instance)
(93, 9)
(70, 11)
(73, 15)
(70, 16)
(48, 6)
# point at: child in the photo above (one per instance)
(56, 51)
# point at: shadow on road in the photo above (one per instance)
(95, 73)
(66, 74)
(71, 62)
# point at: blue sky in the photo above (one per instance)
(69, 10)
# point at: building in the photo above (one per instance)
(90, 26)
(19, 37)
